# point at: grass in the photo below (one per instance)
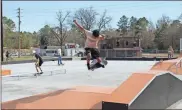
(22, 58)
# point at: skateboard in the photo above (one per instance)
(38, 74)
(61, 64)
(93, 66)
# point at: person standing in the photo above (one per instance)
(170, 52)
(60, 57)
(7, 55)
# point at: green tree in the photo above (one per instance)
(123, 24)
(8, 24)
(132, 23)
(35, 39)
(43, 40)
(160, 34)
(46, 30)
(142, 23)
(151, 26)
(10, 40)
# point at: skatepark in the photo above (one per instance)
(140, 42)
(121, 85)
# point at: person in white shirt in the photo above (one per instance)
(59, 57)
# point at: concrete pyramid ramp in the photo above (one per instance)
(146, 90)
(161, 93)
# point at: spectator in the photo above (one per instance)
(170, 52)
(7, 55)
(59, 57)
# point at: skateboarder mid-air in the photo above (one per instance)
(38, 63)
(91, 45)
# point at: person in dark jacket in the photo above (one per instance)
(38, 63)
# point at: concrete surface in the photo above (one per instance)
(76, 75)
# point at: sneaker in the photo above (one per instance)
(103, 66)
(62, 63)
(88, 66)
(98, 65)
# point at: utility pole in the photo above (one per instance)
(19, 37)
(1, 33)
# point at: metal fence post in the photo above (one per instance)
(115, 53)
(106, 53)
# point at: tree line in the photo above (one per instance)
(153, 36)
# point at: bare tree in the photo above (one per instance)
(104, 20)
(61, 32)
(180, 17)
(87, 17)
(147, 39)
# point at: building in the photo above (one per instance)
(120, 47)
(119, 42)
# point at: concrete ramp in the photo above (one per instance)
(5, 72)
(146, 90)
(129, 89)
(174, 66)
(161, 93)
(74, 98)
(151, 89)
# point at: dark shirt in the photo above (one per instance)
(7, 54)
(38, 57)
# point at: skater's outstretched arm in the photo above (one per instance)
(79, 26)
(86, 32)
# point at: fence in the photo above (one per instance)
(158, 53)
(118, 53)
(113, 53)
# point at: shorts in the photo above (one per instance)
(94, 52)
(40, 63)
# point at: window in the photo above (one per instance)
(126, 43)
(117, 43)
(134, 44)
